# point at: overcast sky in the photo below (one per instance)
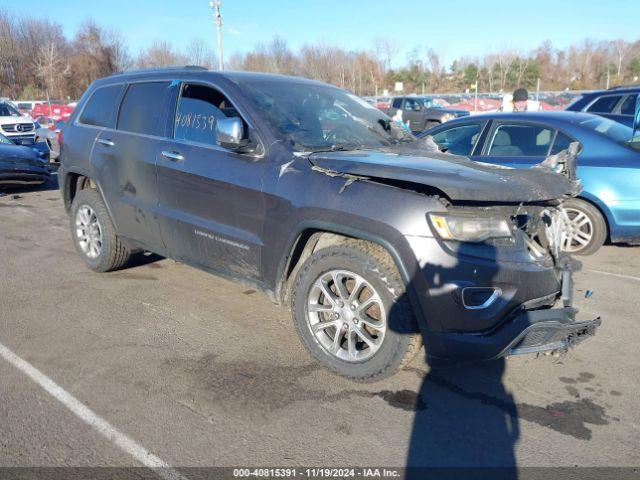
(454, 28)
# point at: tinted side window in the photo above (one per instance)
(199, 109)
(459, 140)
(629, 105)
(397, 103)
(520, 140)
(605, 104)
(141, 108)
(410, 104)
(562, 142)
(101, 107)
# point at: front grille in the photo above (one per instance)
(17, 127)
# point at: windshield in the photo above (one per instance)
(318, 117)
(4, 140)
(7, 110)
(617, 132)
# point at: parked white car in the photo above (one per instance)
(15, 126)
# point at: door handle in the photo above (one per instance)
(174, 156)
(105, 142)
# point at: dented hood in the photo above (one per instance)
(458, 177)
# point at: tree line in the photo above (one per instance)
(585, 65)
(37, 61)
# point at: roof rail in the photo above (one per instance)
(160, 69)
(620, 87)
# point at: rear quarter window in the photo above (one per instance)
(604, 104)
(101, 107)
(142, 108)
(629, 105)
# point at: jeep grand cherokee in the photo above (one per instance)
(307, 192)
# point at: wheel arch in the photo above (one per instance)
(71, 183)
(310, 236)
(76, 179)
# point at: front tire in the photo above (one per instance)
(585, 229)
(94, 235)
(351, 312)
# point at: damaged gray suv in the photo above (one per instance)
(378, 242)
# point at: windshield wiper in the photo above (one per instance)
(334, 148)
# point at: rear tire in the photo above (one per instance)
(363, 343)
(585, 226)
(94, 235)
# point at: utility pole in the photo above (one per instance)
(217, 19)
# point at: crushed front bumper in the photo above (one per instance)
(531, 331)
(553, 330)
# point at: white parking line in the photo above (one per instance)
(85, 414)
(619, 275)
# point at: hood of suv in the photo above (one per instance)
(458, 177)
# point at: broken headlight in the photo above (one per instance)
(466, 228)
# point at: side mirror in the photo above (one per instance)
(636, 121)
(230, 133)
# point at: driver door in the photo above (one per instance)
(211, 200)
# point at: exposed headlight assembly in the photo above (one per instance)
(448, 116)
(467, 228)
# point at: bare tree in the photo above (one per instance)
(121, 57)
(386, 49)
(51, 66)
(435, 67)
(281, 58)
(622, 49)
(198, 53)
(161, 54)
(506, 58)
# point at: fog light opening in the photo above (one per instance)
(478, 298)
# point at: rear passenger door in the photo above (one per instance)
(517, 144)
(125, 158)
(211, 203)
(97, 113)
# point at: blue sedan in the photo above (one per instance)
(608, 165)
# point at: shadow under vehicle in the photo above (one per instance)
(308, 193)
